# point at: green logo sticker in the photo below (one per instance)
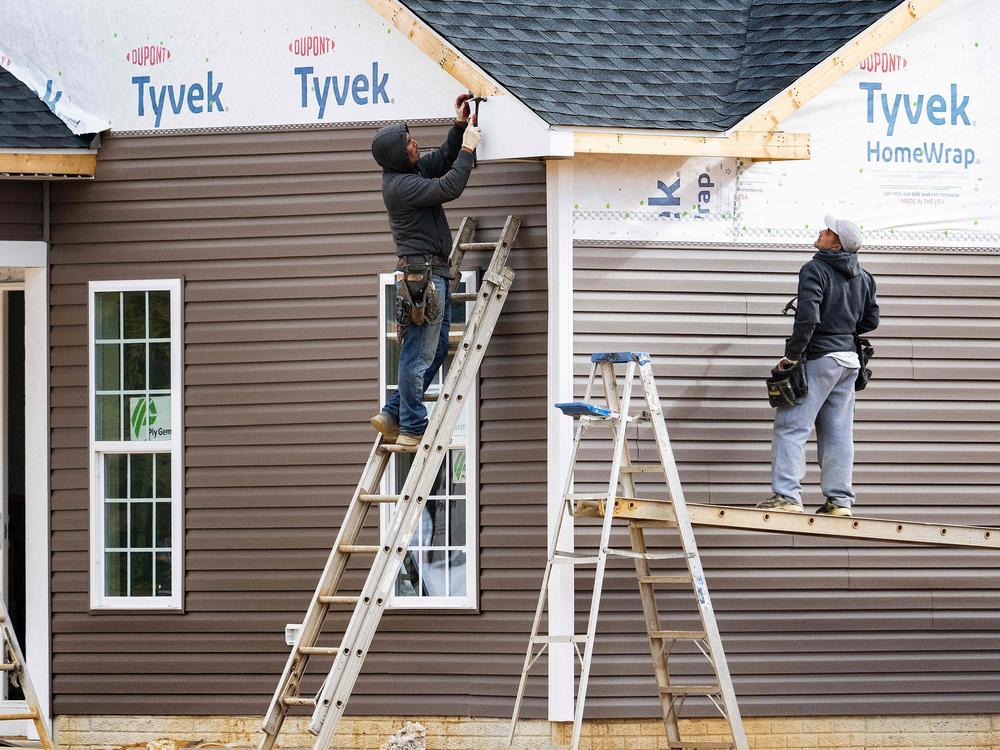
(150, 418)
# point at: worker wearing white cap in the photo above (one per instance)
(836, 303)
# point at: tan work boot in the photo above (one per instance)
(829, 509)
(409, 440)
(387, 426)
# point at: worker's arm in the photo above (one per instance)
(807, 314)
(415, 191)
(438, 162)
(870, 318)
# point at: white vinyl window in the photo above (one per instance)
(440, 569)
(136, 458)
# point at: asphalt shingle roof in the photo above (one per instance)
(692, 65)
(27, 122)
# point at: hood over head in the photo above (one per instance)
(844, 262)
(389, 148)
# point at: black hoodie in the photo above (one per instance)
(413, 193)
(836, 300)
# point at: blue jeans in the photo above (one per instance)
(830, 406)
(423, 351)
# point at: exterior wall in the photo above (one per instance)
(940, 732)
(280, 238)
(812, 626)
(20, 210)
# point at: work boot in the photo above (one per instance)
(780, 502)
(829, 509)
(409, 440)
(387, 426)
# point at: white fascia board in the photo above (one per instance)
(513, 131)
(24, 254)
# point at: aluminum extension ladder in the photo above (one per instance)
(13, 665)
(331, 700)
(615, 414)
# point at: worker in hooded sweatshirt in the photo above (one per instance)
(836, 303)
(414, 188)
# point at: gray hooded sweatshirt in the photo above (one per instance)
(836, 300)
(413, 193)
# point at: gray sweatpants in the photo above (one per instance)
(830, 406)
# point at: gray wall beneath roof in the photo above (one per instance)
(280, 237)
(813, 626)
(20, 210)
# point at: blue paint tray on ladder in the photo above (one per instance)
(583, 409)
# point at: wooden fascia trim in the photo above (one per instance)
(432, 44)
(82, 164)
(891, 25)
(757, 146)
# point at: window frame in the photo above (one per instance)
(97, 449)
(469, 602)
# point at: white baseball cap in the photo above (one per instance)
(848, 232)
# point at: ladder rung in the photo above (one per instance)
(338, 599)
(700, 745)
(465, 297)
(691, 690)
(8, 667)
(559, 639)
(378, 498)
(469, 246)
(360, 549)
(393, 448)
(574, 558)
(665, 579)
(693, 635)
(19, 716)
(319, 650)
(587, 496)
(641, 468)
(299, 701)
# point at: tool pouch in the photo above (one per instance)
(785, 387)
(865, 352)
(417, 299)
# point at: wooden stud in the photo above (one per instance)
(82, 164)
(744, 144)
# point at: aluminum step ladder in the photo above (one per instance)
(13, 664)
(348, 655)
(615, 414)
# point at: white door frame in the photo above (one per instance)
(32, 257)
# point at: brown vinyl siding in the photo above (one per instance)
(20, 210)
(812, 626)
(280, 238)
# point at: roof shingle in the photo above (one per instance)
(694, 65)
(27, 122)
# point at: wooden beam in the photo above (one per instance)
(780, 522)
(43, 164)
(436, 47)
(744, 144)
(891, 25)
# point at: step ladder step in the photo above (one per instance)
(686, 690)
(691, 635)
(360, 549)
(575, 558)
(338, 599)
(378, 498)
(559, 639)
(649, 555)
(642, 468)
(311, 702)
(679, 578)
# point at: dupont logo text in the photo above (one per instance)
(311, 45)
(883, 62)
(148, 54)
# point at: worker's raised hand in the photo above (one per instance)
(462, 107)
(471, 138)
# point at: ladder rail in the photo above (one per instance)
(332, 699)
(12, 649)
(620, 430)
(329, 583)
(686, 531)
